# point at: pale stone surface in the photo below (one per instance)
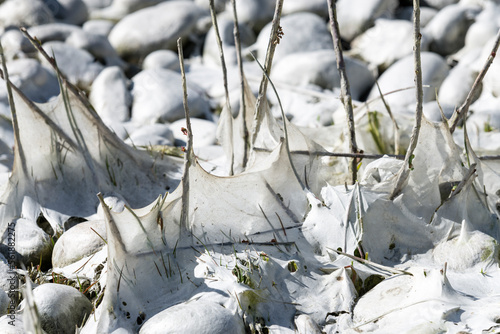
(203, 131)
(78, 65)
(81, 240)
(37, 82)
(158, 97)
(97, 45)
(202, 317)
(401, 75)
(32, 243)
(298, 29)
(110, 95)
(446, 31)
(152, 134)
(17, 13)
(154, 28)
(166, 59)
(297, 69)
(355, 16)
(372, 46)
(61, 307)
(11, 324)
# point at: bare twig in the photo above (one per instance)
(345, 92)
(17, 140)
(224, 77)
(373, 264)
(271, 47)
(342, 155)
(461, 112)
(189, 158)
(404, 172)
(243, 107)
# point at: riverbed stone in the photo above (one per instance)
(154, 28)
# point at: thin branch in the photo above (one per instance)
(404, 171)
(224, 77)
(345, 91)
(461, 112)
(340, 155)
(271, 47)
(243, 107)
(189, 158)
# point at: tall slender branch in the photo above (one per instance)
(224, 77)
(271, 47)
(345, 91)
(461, 112)
(243, 107)
(189, 158)
(405, 169)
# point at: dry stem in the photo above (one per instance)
(345, 92)
(271, 47)
(404, 172)
(243, 107)
(189, 158)
(224, 76)
(461, 112)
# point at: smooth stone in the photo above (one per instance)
(254, 13)
(35, 81)
(456, 86)
(406, 13)
(305, 324)
(219, 5)
(401, 75)
(433, 113)
(53, 31)
(78, 242)
(32, 243)
(152, 134)
(372, 46)
(211, 52)
(68, 11)
(60, 307)
(97, 45)
(481, 31)
(318, 7)
(166, 59)
(204, 131)
(98, 27)
(15, 45)
(298, 29)
(446, 31)
(5, 275)
(118, 9)
(439, 4)
(355, 16)
(110, 95)
(24, 13)
(158, 97)
(320, 68)
(201, 317)
(96, 4)
(4, 302)
(491, 83)
(7, 328)
(485, 120)
(77, 65)
(154, 28)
